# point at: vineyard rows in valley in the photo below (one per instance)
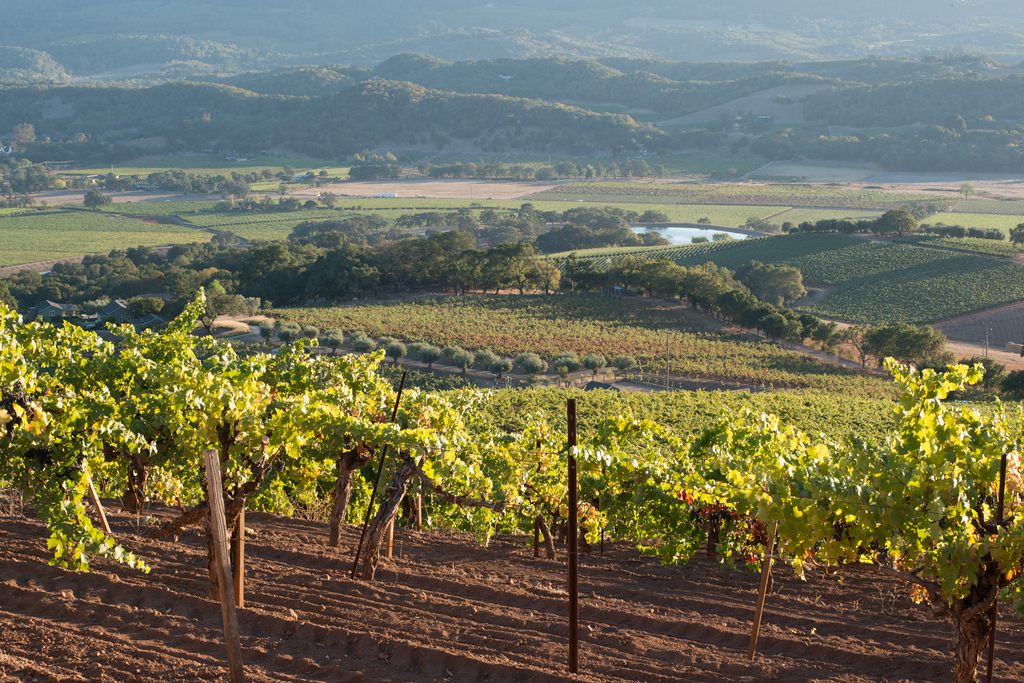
(990, 206)
(582, 324)
(879, 283)
(674, 253)
(739, 193)
(971, 244)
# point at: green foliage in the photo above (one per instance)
(736, 194)
(922, 507)
(395, 350)
(593, 362)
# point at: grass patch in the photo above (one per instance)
(60, 233)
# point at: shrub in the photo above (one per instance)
(429, 354)
(396, 350)
(569, 361)
(594, 362)
(623, 363)
(499, 366)
(484, 358)
(462, 360)
(532, 363)
(333, 339)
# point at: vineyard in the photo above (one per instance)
(972, 244)
(675, 253)
(183, 208)
(293, 430)
(884, 283)
(582, 324)
(57, 233)
(990, 207)
(735, 193)
(798, 216)
(258, 225)
(977, 220)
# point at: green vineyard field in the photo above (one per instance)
(990, 206)
(743, 194)
(878, 282)
(971, 244)
(676, 253)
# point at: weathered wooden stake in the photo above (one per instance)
(390, 543)
(239, 560)
(536, 539)
(99, 506)
(376, 483)
(766, 572)
(573, 539)
(995, 605)
(222, 565)
(418, 511)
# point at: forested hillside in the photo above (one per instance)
(152, 39)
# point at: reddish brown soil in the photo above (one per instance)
(446, 610)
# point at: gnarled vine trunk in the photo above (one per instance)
(386, 514)
(545, 532)
(971, 619)
(348, 463)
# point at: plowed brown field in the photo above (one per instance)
(447, 610)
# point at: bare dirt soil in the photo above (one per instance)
(445, 609)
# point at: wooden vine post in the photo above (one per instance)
(573, 539)
(390, 543)
(99, 507)
(995, 605)
(223, 565)
(766, 572)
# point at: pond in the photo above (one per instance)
(685, 235)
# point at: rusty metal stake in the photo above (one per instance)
(376, 483)
(573, 539)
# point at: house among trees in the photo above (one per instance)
(48, 311)
(150, 321)
(116, 312)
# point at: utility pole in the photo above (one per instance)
(988, 326)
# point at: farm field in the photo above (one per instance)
(202, 163)
(445, 609)
(798, 216)
(547, 325)
(58, 233)
(159, 208)
(877, 282)
(258, 225)
(738, 193)
(977, 220)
